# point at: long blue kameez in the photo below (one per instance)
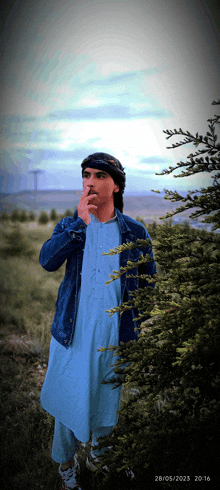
(73, 391)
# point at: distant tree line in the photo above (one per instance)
(22, 216)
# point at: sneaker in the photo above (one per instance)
(70, 477)
(91, 464)
(129, 473)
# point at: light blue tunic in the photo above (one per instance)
(72, 390)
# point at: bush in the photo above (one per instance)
(16, 243)
(15, 215)
(43, 218)
(152, 229)
(31, 216)
(23, 216)
(171, 425)
(141, 220)
(68, 212)
(53, 215)
(4, 216)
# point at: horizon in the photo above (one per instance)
(128, 193)
(113, 84)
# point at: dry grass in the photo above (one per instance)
(28, 294)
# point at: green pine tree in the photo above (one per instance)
(23, 216)
(169, 426)
(53, 215)
(43, 218)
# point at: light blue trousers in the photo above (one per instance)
(65, 443)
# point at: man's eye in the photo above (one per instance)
(99, 176)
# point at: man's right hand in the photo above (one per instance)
(84, 207)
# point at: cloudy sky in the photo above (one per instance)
(81, 76)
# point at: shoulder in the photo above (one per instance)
(67, 221)
(134, 225)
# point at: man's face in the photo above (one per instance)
(100, 183)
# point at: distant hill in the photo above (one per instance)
(42, 201)
(147, 206)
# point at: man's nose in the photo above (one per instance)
(90, 181)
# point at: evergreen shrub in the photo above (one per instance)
(16, 243)
(15, 215)
(53, 215)
(31, 216)
(23, 216)
(43, 218)
(4, 216)
(170, 424)
(68, 212)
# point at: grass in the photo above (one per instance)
(28, 294)
(27, 308)
(26, 430)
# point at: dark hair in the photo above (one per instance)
(118, 198)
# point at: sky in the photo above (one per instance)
(83, 76)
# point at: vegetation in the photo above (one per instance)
(16, 244)
(27, 306)
(15, 215)
(53, 215)
(205, 159)
(43, 218)
(171, 424)
(69, 212)
(169, 421)
(31, 216)
(20, 215)
(23, 216)
(4, 216)
(28, 294)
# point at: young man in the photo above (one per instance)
(73, 391)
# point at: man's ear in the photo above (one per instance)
(116, 189)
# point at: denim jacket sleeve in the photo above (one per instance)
(150, 267)
(68, 235)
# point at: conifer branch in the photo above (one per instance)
(203, 160)
(129, 246)
(171, 376)
(144, 259)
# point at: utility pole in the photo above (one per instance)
(36, 173)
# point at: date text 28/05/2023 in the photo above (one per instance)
(160, 478)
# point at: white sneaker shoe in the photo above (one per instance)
(129, 473)
(91, 464)
(70, 477)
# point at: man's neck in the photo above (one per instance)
(105, 213)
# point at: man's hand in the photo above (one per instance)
(84, 207)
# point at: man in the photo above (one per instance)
(73, 391)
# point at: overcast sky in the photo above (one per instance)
(81, 76)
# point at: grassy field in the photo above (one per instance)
(28, 294)
(27, 307)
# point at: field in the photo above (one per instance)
(28, 294)
(27, 307)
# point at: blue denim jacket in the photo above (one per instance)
(67, 243)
